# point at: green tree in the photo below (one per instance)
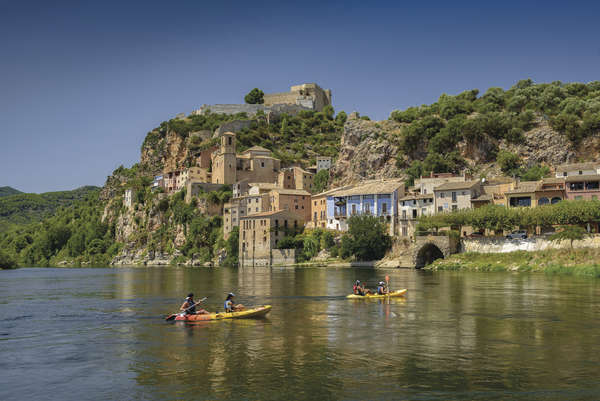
(7, 261)
(255, 96)
(569, 233)
(321, 181)
(509, 162)
(367, 238)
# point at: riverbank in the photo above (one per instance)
(575, 262)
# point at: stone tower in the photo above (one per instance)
(224, 161)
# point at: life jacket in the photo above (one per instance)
(190, 303)
(355, 289)
(228, 306)
(380, 290)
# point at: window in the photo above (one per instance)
(229, 140)
(592, 185)
(440, 209)
(576, 186)
(442, 195)
(580, 172)
(384, 208)
(564, 174)
(353, 209)
(262, 164)
(453, 196)
(404, 214)
(454, 207)
(414, 213)
(543, 201)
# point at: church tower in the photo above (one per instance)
(224, 161)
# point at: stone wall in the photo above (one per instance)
(250, 109)
(539, 243)
(283, 257)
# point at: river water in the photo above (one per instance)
(100, 334)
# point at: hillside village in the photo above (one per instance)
(277, 180)
(269, 201)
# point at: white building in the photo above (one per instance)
(410, 208)
(323, 163)
(569, 170)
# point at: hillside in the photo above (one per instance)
(7, 191)
(542, 124)
(22, 208)
(523, 131)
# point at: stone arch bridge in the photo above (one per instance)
(428, 248)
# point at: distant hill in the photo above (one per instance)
(7, 191)
(22, 208)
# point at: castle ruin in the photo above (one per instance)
(300, 97)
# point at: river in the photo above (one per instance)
(100, 334)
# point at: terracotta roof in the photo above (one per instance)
(483, 198)
(371, 187)
(576, 178)
(524, 187)
(331, 191)
(285, 191)
(256, 149)
(456, 185)
(553, 180)
(498, 180)
(578, 166)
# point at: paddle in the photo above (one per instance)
(387, 284)
(172, 317)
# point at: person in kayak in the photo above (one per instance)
(189, 306)
(381, 288)
(230, 306)
(357, 289)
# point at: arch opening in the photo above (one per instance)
(427, 254)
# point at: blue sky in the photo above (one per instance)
(82, 82)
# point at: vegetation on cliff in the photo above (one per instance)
(433, 134)
(22, 209)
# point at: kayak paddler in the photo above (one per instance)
(230, 306)
(189, 306)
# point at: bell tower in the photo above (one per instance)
(224, 162)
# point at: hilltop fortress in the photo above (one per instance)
(300, 97)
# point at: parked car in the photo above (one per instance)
(475, 235)
(518, 234)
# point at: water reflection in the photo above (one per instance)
(454, 336)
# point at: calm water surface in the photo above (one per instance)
(100, 334)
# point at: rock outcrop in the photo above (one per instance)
(368, 151)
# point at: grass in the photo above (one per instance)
(576, 262)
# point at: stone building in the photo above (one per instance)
(310, 96)
(252, 165)
(426, 185)
(260, 234)
(493, 191)
(295, 178)
(376, 198)
(456, 195)
(323, 163)
(319, 208)
(240, 207)
(296, 201)
(574, 169)
(411, 207)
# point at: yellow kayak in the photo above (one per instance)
(248, 313)
(397, 293)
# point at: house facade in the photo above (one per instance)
(295, 178)
(260, 234)
(374, 198)
(296, 201)
(411, 207)
(453, 196)
(582, 187)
